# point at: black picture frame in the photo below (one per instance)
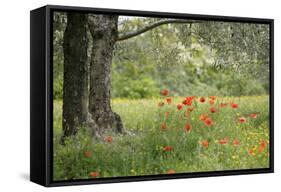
(41, 98)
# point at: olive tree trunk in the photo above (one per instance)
(75, 88)
(104, 32)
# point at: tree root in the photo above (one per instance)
(99, 132)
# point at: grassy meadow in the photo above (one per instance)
(169, 135)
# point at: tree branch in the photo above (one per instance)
(131, 34)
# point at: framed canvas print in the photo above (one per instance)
(122, 95)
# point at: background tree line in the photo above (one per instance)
(228, 59)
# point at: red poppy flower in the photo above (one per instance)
(171, 171)
(190, 109)
(202, 99)
(169, 100)
(167, 148)
(160, 104)
(186, 114)
(262, 146)
(208, 122)
(205, 143)
(261, 149)
(251, 151)
(108, 139)
(189, 100)
(242, 119)
(263, 143)
(234, 105)
(222, 105)
(165, 92)
(213, 97)
(235, 142)
(213, 109)
(221, 142)
(187, 127)
(167, 114)
(224, 141)
(211, 102)
(87, 154)
(253, 115)
(179, 106)
(203, 117)
(163, 126)
(94, 174)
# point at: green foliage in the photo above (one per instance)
(237, 85)
(58, 88)
(195, 77)
(68, 156)
(198, 59)
(58, 32)
(135, 89)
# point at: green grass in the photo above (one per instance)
(141, 153)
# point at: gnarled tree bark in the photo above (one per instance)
(104, 32)
(75, 88)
